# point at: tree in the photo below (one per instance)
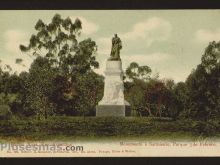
(10, 86)
(169, 83)
(204, 85)
(150, 96)
(134, 71)
(134, 94)
(79, 99)
(161, 100)
(90, 89)
(134, 89)
(17, 107)
(65, 62)
(5, 112)
(155, 96)
(38, 88)
(63, 93)
(181, 92)
(57, 41)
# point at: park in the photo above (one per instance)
(61, 97)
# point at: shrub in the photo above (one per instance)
(5, 112)
(208, 128)
(104, 126)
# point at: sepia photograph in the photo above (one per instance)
(112, 83)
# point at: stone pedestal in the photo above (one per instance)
(113, 102)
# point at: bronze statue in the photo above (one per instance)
(116, 47)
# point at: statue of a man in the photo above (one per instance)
(116, 46)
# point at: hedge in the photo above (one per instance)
(104, 126)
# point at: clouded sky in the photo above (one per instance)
(171, 42)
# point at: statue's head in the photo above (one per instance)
(116, 35)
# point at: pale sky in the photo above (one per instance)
(171, 42)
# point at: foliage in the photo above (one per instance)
(181, 92)
(104, 127)
(134, 89)
(134, 94)
(61, 81)
(150, 96)
(134, 71)
(204, 85)
(57, 41)
(61, 66)
(7, 99)
(161, 100)
(11, 91)
(90, 89)
(38, 88)
(5, 112)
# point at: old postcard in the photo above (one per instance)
(113, 83)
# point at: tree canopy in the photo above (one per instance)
(60, 67)
(204, 85)
(57, 41)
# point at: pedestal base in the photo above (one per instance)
(113, 102)
(113, 110)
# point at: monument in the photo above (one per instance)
(113, 102)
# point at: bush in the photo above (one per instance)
(104, 126)
(5, 112)
(208, 128)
